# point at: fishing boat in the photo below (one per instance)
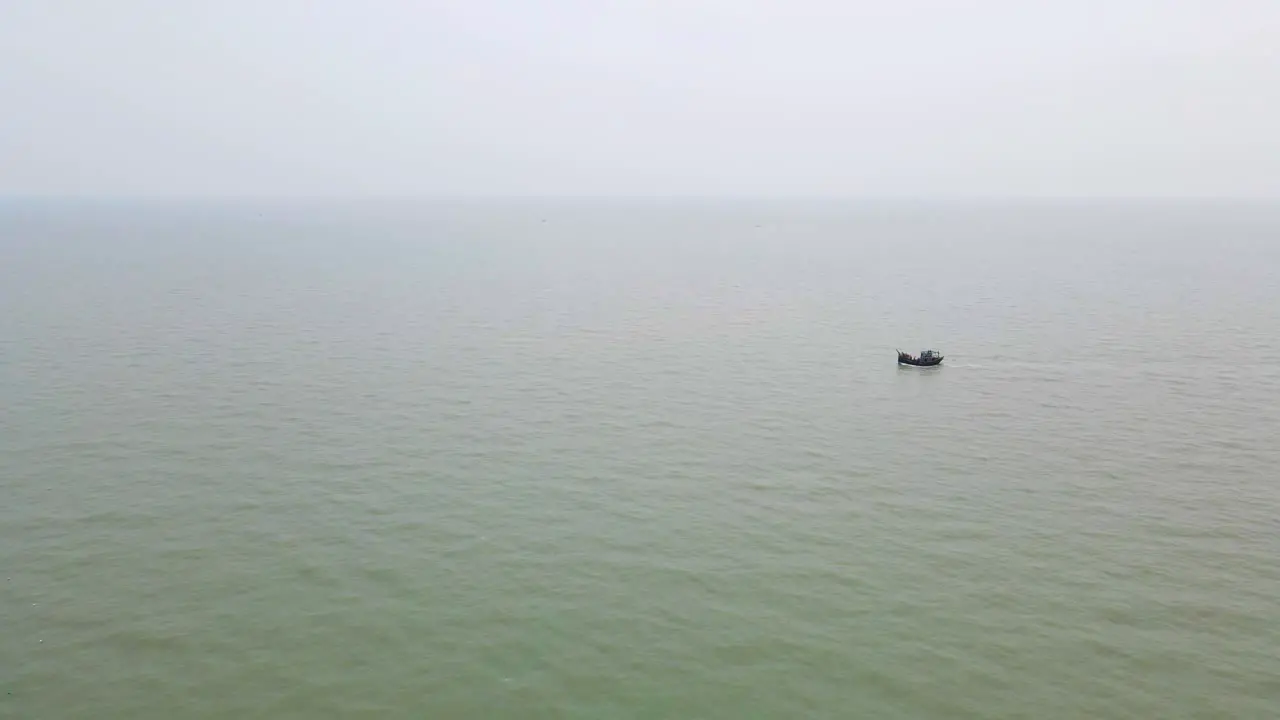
(926, 358)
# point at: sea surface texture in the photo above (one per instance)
(639, 459)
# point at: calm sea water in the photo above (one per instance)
(639, 460)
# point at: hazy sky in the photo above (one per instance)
(830, 97)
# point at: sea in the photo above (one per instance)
(639, 458)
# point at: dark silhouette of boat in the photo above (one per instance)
(926, 358)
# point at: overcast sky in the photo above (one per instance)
(708, 97)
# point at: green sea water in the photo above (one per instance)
(638, 460)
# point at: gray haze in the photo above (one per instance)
(1004, 97)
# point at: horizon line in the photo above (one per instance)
(446, 197)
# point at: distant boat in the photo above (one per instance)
(927, 358)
